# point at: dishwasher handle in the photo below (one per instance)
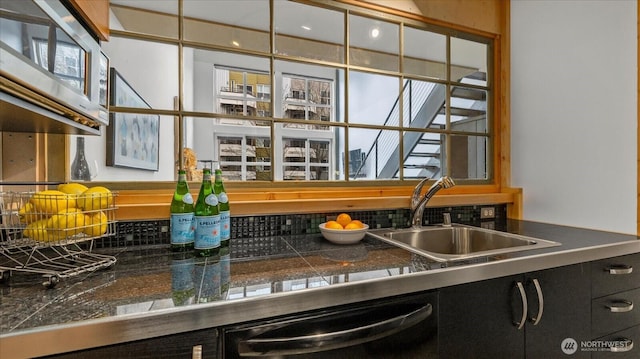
(257, 347)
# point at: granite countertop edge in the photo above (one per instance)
(114, 330)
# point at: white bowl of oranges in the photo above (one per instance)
(343, 230)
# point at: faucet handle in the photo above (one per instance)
(415, 198)
(446, 219)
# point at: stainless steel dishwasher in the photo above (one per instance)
(401, 327)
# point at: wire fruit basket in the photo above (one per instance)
(51, 232)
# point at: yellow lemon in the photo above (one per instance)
(95, 224)
(67, 222)
(333, 225)
(72, 188)
(51, 201)
(343, 219)
(27, 213)
(37, 231)
(95, 198)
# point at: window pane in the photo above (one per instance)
(231, 23)
(308, 92)
(242, 147)
(469, 157)
(423, 154)
(468, 109)
(376, 154)
(468, 62)
(429, 58)
(373, 43)
(308, 31)
(150, 17)
(424, 104)
(244, 158)
(153, 76)
(305, 159)
(373, 99)
(226, 83)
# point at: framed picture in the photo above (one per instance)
(132, 139)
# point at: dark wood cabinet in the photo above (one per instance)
(166, 347)
(482, 319)
(615, 315)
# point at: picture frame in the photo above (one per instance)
(133, 140)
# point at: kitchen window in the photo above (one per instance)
(399, 98)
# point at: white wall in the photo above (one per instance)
(574, 111)
(150, 61)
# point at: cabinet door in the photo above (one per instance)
(476, 320)
(172, 346)
(565, 313)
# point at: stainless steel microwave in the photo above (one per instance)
(53, 74)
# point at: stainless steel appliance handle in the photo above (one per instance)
(523, 296)
(258, 347)
(620, 306)
(619, 269)
(628, 345)
(537, 318)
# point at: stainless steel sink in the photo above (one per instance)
(458, 242)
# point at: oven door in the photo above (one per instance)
(391, 328)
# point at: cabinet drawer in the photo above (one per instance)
(616, 274)
(621, 338)
(615, 312)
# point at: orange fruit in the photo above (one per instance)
(355, 224)
(333, 225)
(352, 225)
(343, 219)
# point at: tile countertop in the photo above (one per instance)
(151, 292)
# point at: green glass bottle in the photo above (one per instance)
(207, 234)
(182, 222)
(224, 207)
(182, 284)
(207, 274)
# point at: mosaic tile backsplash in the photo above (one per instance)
(156, 232)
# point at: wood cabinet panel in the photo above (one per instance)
(96, 15)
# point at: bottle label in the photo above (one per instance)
(223, 198)
(182, 228)
(182, 274)
(207, 233)
(187, 198)
(225, 225)
(211, 200)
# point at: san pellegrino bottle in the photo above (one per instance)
(207, 272)
(225, 209)
(182, 282)
(182, 222)
(207, 235)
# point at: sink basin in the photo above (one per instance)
(458, 242)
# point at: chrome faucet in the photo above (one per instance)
(418, 204)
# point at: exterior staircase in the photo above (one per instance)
(424, 106)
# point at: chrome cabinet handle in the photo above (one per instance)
(537, 318)
(619, 269)
(620, 306)
(628, 345)
(278, 346)
(523, 296)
